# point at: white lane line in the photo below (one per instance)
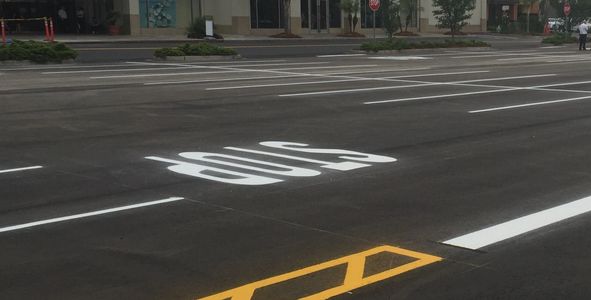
(208, 62)
(513, 228)
(64, 67)
(229, 70)
(402, 58)
(341, 55)
(338, 81)
(327, 75)
(88, 214)
(421, 84)
(20, 169)
(175, 68)
(441, 96)
(284, 84)
(528, 104)
(114, 70)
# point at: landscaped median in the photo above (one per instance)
(36, 52)
(197, 51)
(403, 44)
(560, 38)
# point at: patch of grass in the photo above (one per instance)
(38, 52)
(199, 49)
(560, 38)
(401, 44)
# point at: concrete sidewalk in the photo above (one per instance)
(97, 39)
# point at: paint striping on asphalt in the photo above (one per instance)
(402, 58)
(20, 169)
(338, 81)
(513, 228)
(89, 214)
(341, 55)
(295, 75)
(230, 69)
(176, 68)
(354, 278)
(528, 104)
(419, 84)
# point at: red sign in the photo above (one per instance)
(374, 5)
(566, 9)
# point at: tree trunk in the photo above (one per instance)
(287, 15)
(528, 13)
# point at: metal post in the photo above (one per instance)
(51, 30)
(3, 32)
(374, 25)
(147, 14)
(46, 25)
(318, 18)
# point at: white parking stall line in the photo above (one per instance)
(20, 169)
(529, 104)
(88, 214)
(166, 74)
(341, 55)
(419, 84)
(115, 70)
(440, 96)
(284, 84)
(513, 228)
(295, 75)
(225, 70)
(225, 63)
(338, 81)
(64, 67)
(174, 68)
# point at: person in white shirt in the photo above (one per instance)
(583, 30)
(62, 19)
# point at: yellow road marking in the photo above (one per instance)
(353, 279)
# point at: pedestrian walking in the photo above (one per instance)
(583, 30)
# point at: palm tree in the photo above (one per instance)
(287, 14)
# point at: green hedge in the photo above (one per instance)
(39, 52)
(400, 44)
(560, 38)
(199, 49)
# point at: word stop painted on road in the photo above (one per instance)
(352, 160)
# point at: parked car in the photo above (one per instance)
(556, 24)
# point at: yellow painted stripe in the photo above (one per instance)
(353, 278)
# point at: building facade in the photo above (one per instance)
(243, 17)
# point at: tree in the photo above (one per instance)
(351, 7)
(287, 15)
(391, 16)
(453, 14)
(407, 8)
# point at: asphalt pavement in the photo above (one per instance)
(449, 174)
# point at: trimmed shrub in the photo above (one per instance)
(199, 49)
(401, 44)
(560, 38)
(38, 52)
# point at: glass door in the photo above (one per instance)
(318, 15)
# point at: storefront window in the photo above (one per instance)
(266, 14)
(305, 14)
(334, 8)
